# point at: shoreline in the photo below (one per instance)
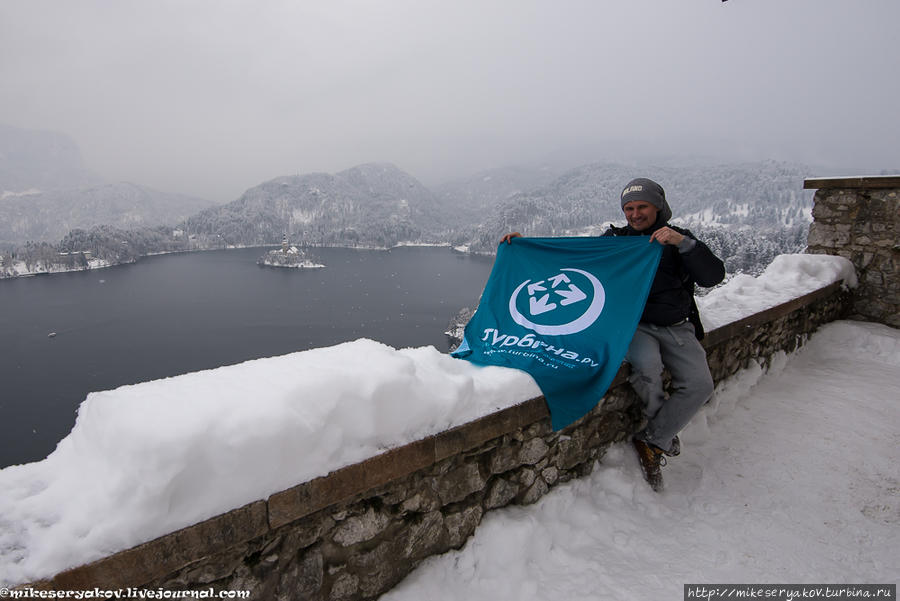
(106, 264)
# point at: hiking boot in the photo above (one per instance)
(675, 451)
(651, 459)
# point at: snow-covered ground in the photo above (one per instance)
(147, 459)
(787, 477)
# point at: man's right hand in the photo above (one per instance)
(508, 237)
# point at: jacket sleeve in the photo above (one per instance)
(704, 267)
(611, 230)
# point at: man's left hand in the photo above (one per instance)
(666, 235)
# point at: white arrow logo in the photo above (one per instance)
(536, 287)
(540, 305)
(570, 294)
(558, 279)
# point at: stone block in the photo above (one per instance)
(360, 528)
(305, 533)
(504, 458)
(533, 451)
(821, 212)
(526, 477)
(378, 569)
(462, 524)
(424, 536)
(550, 475)
(500, 492)
(459, 483)
(303, 578)
(423, 500)
(537, 490)
(344, 587)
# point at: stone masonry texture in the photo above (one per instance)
(860, 219)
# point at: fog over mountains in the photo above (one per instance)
(748, 212)
(40, 160)
(47, 191)
(51, 214)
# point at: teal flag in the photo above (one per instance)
(564, 310)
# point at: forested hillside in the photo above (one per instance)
(748, 213)
(373, 205)
(50, 215)
(477, 195)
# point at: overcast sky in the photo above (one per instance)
(211, 97)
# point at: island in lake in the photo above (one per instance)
(288, 256)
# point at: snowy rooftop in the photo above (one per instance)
(148, 459)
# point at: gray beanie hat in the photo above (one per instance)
(649, 191)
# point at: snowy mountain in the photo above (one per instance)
(766, 194)
(471, 196)
(52, 214)
(375, 204)
(747, 212)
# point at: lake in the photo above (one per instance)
(172, 314)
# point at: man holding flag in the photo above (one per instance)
(669, 332)
(669, 329)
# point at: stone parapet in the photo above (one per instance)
(859, 218)
(355, 533)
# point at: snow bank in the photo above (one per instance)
(147, 459)
(786, 278)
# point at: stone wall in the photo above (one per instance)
(859, 218)
(356, 532)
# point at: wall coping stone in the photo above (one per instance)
(164, 555)
(864, 182)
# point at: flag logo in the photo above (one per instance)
(566, 303)
(564, 310)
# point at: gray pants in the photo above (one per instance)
(676, 348)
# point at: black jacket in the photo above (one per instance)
(671, 298)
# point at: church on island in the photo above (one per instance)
(288, 256)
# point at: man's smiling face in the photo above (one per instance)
(640, 214)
